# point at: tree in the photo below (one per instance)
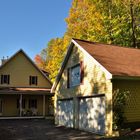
(82, 21)
(40, 61)
(108, 21)
(55, 53)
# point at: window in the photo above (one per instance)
(32, 103)
(23, 103)
(75, 75)
(33, 80)
(5, 79)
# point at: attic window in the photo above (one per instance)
(33, 80)
(5, 79)
(75, 75)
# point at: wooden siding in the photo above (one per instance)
(19, 69)
(132, 109)
(95, 81)
(10, 104)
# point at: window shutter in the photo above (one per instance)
(30, 80)
(82, 72)
(1, 79)
(8, 79)
(36, 79)
(68, 79)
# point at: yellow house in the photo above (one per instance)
(89, 78)
(24, 88)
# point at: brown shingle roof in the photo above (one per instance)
(120, 61)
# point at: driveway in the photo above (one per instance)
(39, 129)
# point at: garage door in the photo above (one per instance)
(92, 114)
(65, 112)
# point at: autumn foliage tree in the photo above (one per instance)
(55, 53)
(40, 61)
(107, 21)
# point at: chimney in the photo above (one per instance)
(3, 60)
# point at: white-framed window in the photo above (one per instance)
(75, 75)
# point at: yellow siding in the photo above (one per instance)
(132, 109)
(10, 104)
(19, 69)
(96, 81)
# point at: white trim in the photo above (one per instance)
(35, 65)
(73, 42)
(43, 105)
(92, 58)
(20, 105)
(29, 60)
(61, 68)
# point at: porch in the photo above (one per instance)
(25, 102)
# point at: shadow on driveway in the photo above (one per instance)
(39, 129)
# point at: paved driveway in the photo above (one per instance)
(39, 129)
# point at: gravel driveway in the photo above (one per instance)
(39, 129)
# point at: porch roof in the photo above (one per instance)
(25, 90)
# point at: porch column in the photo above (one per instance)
(44, 104)
(20, 105)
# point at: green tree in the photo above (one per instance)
(108, 21)
(82, 21)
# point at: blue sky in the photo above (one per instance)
(30, 24)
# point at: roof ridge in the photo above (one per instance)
(29, 59)
(98, 43)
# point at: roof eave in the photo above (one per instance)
(73, 42)
(108, 73)
(29, 60)
(125, 77)
(62, 67)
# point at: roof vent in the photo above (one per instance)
(3, 60)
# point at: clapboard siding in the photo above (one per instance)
(132, 109)
(19, 69)
(95, 81)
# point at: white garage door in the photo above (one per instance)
(92, 114)
(65, 112)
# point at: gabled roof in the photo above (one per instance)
(118, 61)
(21, 51)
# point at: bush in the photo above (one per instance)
(119, 103)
